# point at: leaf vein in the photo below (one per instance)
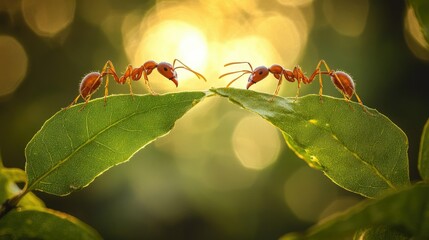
(47, 150)
(67, 133)
(368, 164)
(90, 139)
(106, 146)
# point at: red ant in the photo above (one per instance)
(92, 81)
(342, 81)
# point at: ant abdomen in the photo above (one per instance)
(90, 84)
(344, 83)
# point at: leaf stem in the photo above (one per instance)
(11, 203)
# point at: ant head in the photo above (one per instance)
(257, 75)
(167, 70)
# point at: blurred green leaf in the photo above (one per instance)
(407, 210)
(421, 9)
(8, 187)
(361, 152)
(381, 232)
(74, 147)
(14, 174)
(423, 162)
(42, 223)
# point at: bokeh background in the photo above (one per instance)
(222, 173)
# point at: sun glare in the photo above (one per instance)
(48, 17)
(205, 39)
(169, 40)
(193, 48)
(206, 35)
(256, 143)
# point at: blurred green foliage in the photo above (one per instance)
(190, 185)
(42, 223)
(374, 215)
(421, 9)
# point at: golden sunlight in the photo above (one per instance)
(295, 2)
(48, 17)
(13, 64)
(207, 35)
(256, 143)
(193, 48)
(170, 39)
(167, 40)
(318, 195)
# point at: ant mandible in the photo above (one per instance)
(92, 81)
(342, 81)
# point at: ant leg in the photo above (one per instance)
(131, 88)
(277, 88)
(354, 93)
(148, 84)
(128, 76)
(297, 90)
(321, 86)
(329, 72)
(361, 104)
(332, 73)
(107, 70)
(150, 88)
(298, 76)
(311, 78)
(346, 97)
(106, 91)
(86, 102)
(86, 99)
(73, 103)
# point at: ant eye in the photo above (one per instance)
(165, 69)
(260, 72)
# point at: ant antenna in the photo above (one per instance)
(232, 63)
(199, 76)
(240, 71)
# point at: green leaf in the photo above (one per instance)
(8, 187)
(407, 211)
(421, 9)
(74, 147)
(364, 153)
(41, 223)
(423, 162)
(14, 174)
(381, 232)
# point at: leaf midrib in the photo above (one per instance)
(357, 156)
(56, 166)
